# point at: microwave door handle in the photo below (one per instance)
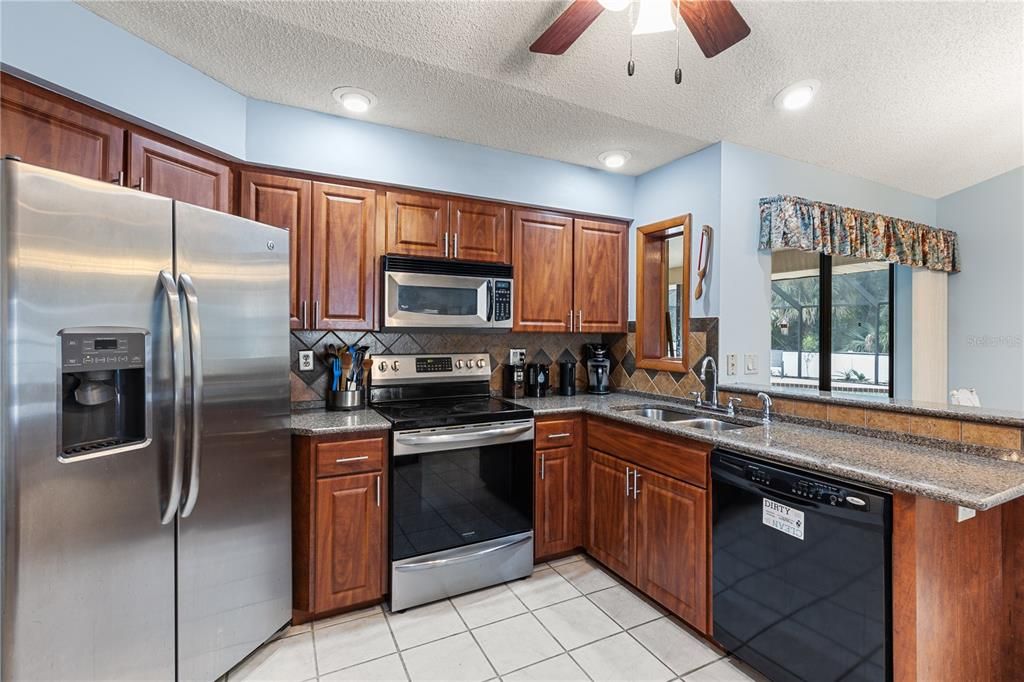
(490, 300)
(196, 348)
(178, 374)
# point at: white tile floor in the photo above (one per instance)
(570, 620)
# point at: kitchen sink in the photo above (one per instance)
(710, 425)
(664, 414)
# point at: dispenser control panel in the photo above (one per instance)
(84, 352)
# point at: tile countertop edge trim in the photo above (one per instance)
(979, 415)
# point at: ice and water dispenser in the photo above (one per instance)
(104, 401)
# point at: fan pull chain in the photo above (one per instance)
(631, 65)
(679, 70)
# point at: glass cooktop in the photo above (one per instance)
(449, 412)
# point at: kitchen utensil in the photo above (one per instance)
(567, 377)
(703, 258)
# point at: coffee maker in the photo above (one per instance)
(537, 380)
(599, 368)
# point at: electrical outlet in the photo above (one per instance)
(730, 364)
(305, 360)
(750, 363)
(517, 356)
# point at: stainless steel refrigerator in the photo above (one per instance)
(145, 443)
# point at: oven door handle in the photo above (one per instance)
(428, 564)
(462, 437)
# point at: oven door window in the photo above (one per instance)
(436, 300)
(441, 500)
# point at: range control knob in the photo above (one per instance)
(458, 364)
(394, 365)
(383, 366)
(480, 363)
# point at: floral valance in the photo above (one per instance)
(789, 222)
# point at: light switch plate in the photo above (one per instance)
(730, 364)
(517, 356)
(305, 360)
(750, 363)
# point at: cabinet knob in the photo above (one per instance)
(383, 366)
(394, 365)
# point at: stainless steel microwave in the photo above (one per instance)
(429, 293)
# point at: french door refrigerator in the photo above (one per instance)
(145, 445)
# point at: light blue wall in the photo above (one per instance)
(744, 274)
(692, 184)
(290, 137)
(70, 47)
(986, 299)
(63, 44)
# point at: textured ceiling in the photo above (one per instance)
(923, 96)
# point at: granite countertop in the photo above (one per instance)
(972, 480)
(321, 422)
(929, 409)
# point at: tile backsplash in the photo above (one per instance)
(308, 388)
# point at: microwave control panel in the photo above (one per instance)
(502, 300)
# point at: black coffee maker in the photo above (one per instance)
(599, 368)
(537, 380)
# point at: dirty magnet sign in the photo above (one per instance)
(782, 518)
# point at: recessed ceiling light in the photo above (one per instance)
(354, 100)
(614, 159)
(797, 96)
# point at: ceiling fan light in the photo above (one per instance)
(615, 5)
(655, 17)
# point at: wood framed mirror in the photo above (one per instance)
(663, 294)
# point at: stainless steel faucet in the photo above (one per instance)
(714, 379)
(766, 400)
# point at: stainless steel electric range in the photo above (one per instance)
(461, 477)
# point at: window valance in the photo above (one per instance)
(789, 222)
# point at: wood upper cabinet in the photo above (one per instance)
(480, 231)
(343, 248)
(45, 129)
(284, 202)
(542, 263)
(178, 174)
(349, 536)
(417, 225)
(600, 272)
(610, 536)
(672, 555)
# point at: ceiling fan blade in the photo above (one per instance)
(567, 27)
(715, 24)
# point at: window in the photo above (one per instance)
(836, 303)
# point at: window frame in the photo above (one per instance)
(652, 294)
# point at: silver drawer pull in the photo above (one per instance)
(351, 459)
(559, 435)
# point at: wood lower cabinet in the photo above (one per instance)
(557, 515)
(284, 202)
(343, 250)
(46, 130)
(339, 523)
(349, 530)
(542, 262)
(672, 545)
(611, 538)
(178, 174)
(417, 225)
(480, 231)
(600, 271)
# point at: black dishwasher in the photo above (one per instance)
(801, 569)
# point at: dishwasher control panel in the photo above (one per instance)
(794, 484)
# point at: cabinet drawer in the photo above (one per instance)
(349, 456)
(556, 433)
(679, 458)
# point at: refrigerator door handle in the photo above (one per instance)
(196, 361)
(178, 373)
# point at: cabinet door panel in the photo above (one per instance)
(349, 554)
(343, 256)
(284, 202)
(610, 532)
(542, 260)
(480, 231)
(171, 172)
(554, 506)
(41, 129)
(599, 276)
(672, 546)
(417, 224)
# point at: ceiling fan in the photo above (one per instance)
(715, 24)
